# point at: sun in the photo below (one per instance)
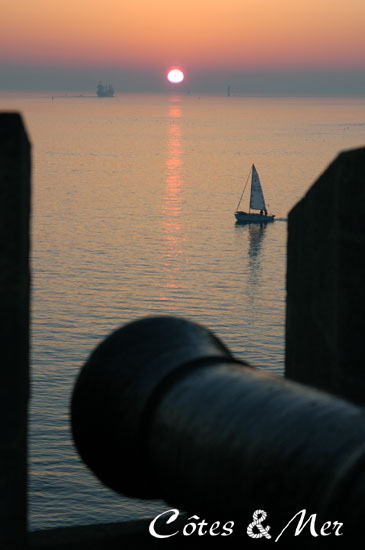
(175, 75)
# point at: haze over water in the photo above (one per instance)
(133, 201)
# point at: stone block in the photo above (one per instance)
(14, 327)
(326, 281)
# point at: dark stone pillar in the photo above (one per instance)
(14, 327)
(325, 316)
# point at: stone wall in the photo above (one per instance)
(326, 281)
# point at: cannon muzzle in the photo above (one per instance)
(163, 410)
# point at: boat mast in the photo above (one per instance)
(239, 202)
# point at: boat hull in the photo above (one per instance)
(243, 217)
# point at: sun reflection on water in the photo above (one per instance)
(171, 207)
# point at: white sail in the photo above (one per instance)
(257, 201)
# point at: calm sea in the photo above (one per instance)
(133, 201)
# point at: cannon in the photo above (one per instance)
(163, 410)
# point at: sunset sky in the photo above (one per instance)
(78, 42)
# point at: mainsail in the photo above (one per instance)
(257, 201)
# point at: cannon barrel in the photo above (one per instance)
(163, 410)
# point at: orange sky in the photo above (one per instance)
(262, 34)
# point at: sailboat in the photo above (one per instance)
(257, 202)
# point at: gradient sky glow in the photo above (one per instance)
(202, 36)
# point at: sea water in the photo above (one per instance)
(133, 203)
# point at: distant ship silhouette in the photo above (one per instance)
(104, 91)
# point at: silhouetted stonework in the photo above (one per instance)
(14, 326)
(326, 281)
